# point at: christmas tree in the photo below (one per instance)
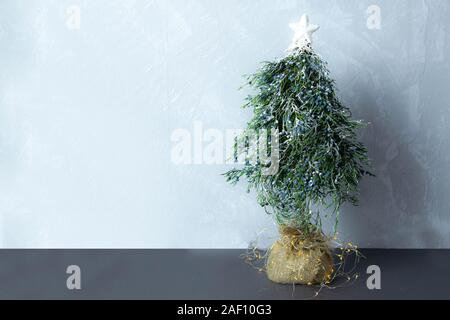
(320, 160)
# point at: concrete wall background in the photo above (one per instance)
(86, 117)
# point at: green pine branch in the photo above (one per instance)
(320, 159)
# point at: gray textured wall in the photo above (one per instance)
(86, 117)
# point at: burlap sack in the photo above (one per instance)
(294, 259)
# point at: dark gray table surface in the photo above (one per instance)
(206, 274)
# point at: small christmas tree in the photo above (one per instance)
(320, 161)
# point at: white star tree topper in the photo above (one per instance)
(303, 33)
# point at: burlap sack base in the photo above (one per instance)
(300, 266)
